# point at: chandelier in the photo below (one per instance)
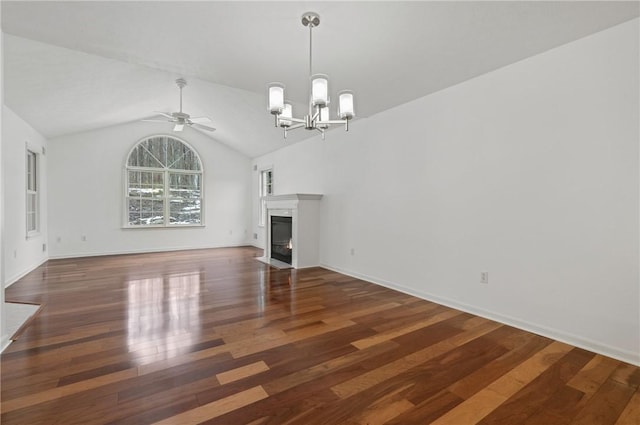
(318, 116)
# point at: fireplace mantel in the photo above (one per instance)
(304, 209)
(294, 197)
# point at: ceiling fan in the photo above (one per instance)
(180, 118)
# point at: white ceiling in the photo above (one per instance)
(76, 66)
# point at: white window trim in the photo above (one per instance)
(166, 198)
(31, 151)
(262, 208)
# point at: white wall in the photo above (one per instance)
(21, 253)
(530, 172)
(86, 195)
(301, 172)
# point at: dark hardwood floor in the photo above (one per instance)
(216, 337)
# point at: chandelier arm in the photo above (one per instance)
(298, 120)
(295, 126)
(332, 122)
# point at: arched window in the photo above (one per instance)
(163, 184)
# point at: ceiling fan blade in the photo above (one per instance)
(178, 127)
(199, 120)
(203, 127)
(152, 120)
(164, 114)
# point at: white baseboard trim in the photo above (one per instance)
(556, 334)
(13, 279)
(142, 251)
(4, 343)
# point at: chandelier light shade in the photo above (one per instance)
(286, 115)
(345, 105)
(318, 117)
(324, 117)
(319, 90)
(276, 98)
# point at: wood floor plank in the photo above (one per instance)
(631, 414)
(215, 337)
(536, 395)
(242, 372)
(59, 392)
(382, 373)
(216, 408)
(475, 408)
(607, 404)
(391, 334)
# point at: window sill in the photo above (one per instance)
(32, 235)
(177, 226)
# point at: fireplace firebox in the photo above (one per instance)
(281, 234)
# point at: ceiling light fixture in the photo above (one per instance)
(318, 116)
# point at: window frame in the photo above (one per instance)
(166, 195)
(262, 203)
(32, 191)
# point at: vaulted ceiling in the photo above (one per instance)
(76, 66)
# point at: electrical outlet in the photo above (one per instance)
(83, 238)
(255, 236)
(44, 247)
(353, 251)
(484, 277)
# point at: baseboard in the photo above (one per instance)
(4, 343)
(143, 251)
(555, 334)
(20, 275)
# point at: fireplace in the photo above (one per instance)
(292, 233)
(281, 234)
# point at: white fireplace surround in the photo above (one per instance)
(304, 210)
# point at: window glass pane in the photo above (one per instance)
(134, 212)
(145, 211)
(150, 184)
(141, 157)
(184, 185)
(31, 170)
(31, 213)
(156, 148)
(31, 222)
(185, 211)
(152, 211)
(181, 157)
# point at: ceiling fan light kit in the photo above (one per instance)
(181, 118)
(318, 117)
